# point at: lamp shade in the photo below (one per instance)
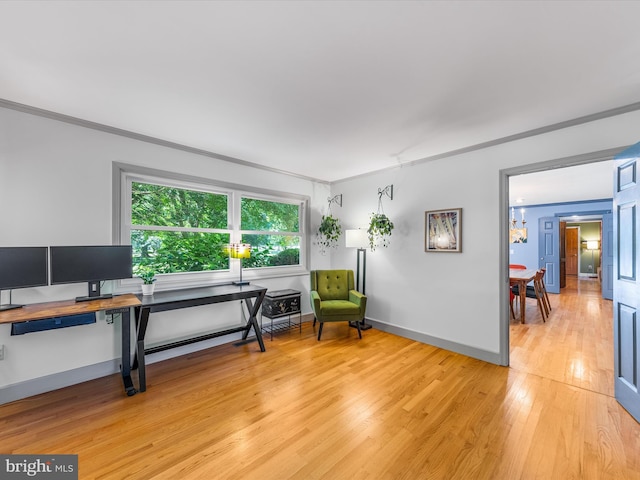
(356, 238)
(238, 250)
(593, 244)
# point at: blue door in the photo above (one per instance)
(626, 291)
(549, 251)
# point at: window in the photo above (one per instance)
(179, 226)
(273, 231)
(175, 230)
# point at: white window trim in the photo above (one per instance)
(124, 175)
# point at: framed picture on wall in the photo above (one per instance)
(443, 230)
(518, 235)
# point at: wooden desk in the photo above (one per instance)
(191, 297)
(117, 304)
(521, 278)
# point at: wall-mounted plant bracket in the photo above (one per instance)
(337, 199)
(388, 191)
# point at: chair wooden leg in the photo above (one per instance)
(314, 321)
(543, 287)
(545, 302)
(540, 303)
(540, 294)
(320, 330)
(359, 331)
(545, 296)
(513, 313)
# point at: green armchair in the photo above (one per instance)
(334, 298)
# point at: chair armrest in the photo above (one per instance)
(357, 298)
(315, 300)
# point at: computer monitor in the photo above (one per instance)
(22, 267)
(92, 264)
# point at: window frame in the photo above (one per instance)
(124, 175)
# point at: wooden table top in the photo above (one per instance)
(516, 274)
(64, 308)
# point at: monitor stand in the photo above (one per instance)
(94, 293)
(10, 306)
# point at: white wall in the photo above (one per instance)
(56, 189)
(446, 298)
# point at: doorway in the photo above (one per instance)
(561, 167)
(548, 349)
(582, 247)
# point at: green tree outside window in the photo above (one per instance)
(175, 230)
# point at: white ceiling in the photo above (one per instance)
(324, 89)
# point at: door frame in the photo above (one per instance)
(503, 199)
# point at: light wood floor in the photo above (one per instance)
(383, 407)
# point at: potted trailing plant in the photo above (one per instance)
(328, 233)
(148, 277)
(379, 230)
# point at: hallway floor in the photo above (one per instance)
(574, 345)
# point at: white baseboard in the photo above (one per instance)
(472, 352)
(36, 386)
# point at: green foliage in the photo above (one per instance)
(174, 252)
(147, 275)
(379, 230)
(269, 250)
(290, 256)
(160, 206)
(328, 233)
(192, 250)
(269, 216)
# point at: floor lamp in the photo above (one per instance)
(358, 239)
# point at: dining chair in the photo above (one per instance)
(512, 298)
(514, 287)
(544, 289)
(535, 291)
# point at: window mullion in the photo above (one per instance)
(235, 218)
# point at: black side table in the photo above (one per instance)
(278, 304)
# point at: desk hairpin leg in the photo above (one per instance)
(253, 307)
(126, 348)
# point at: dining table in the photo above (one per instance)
(521, 278)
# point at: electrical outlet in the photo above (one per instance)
(1, 352)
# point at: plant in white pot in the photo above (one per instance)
(148, 277)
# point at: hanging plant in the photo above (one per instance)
(328, 233)
(379, 230)
(380, 226)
